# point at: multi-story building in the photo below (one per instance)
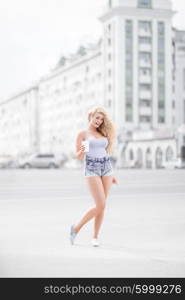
(179, 99)
(137, 39)
(137, 50)
(179, 80)
(136, 71)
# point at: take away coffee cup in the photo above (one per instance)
(86, 144)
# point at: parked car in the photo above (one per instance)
(45, 160)
(7, 161)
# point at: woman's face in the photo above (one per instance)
(97, 120)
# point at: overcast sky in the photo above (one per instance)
(35, 33)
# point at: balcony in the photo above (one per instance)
(145, 94)
(146, 33)
(145, 47)
(145, 63)
(145, 111)
(145, 79)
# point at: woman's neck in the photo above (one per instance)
(92, 129)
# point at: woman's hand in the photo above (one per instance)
(114, 180)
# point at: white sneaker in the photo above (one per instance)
(95, 243)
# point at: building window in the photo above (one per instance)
(129, 70)
(161, 58)
(181, 49)
(145, 87)
(25, 102)
(129, 118)
(145, 71)
(110, 3)
(145, 40)
(169, 154)
(145, 26)
(161, 119)
(109, 103)
(145, 103)
(98, 76)
(145, 56)
(109, 57)
(145, 119)
(128, 105)
(65, 81)
(161, 28)
(109, 72)
(161, 72)
(145, 3)
(131, 154)
(160, 104)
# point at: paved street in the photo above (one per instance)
(143, 233)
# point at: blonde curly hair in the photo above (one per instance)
(107, 128)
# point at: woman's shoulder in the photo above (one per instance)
(82, 133)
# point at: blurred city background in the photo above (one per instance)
(134, 66)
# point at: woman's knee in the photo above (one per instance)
(100, 208)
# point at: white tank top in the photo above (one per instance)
(97, 146)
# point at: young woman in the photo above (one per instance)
(101, 135)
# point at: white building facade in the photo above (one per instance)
(19, 124)
(66, 95)
(138, 46)
(137, 38)
(179, 77)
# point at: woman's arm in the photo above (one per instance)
(79, 147)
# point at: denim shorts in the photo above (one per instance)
(95, 166)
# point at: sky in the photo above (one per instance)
(34, 34)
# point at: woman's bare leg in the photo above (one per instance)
(107, 182)
(97, 191)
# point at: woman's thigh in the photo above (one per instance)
(107, 183)
(96, 188)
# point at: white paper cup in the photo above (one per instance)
(86, 144)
